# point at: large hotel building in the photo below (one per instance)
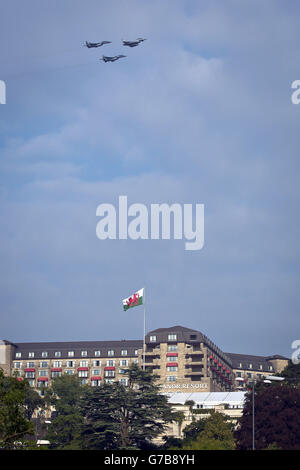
(182, 358)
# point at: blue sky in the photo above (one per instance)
(201, 112)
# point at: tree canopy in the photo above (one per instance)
(119, 417)
(277, 411)
(212, 433)
(14, 425)
(64, 395)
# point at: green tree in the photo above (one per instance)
(272, 446)
(64, 395)
(32, 401)
(14, 426)
(119, 417)
(292, 372)
(172, 443)
(216, 435)
(190, 404)
(179, 419)
(277, 411)
(192, 430)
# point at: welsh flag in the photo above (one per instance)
(134, 300)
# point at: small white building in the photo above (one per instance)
(230, 404)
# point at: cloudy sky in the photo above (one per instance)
(201, 112)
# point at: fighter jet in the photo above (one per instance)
(111, 59)
(96, 44)
(133, 43)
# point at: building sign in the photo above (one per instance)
(183, 386)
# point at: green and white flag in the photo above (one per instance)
(134, 300)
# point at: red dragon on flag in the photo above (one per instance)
(134, 300)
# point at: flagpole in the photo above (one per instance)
(144, 344)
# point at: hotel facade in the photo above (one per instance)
(185, 360)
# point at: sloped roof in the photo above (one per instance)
(78, 346)
(208, 399)
(256, 361)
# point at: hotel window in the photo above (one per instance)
(136, 352)
(152, 339)
(240, 365)
(70, 363)
(83, 373)
(172, 337)
(135, 361)
(70, 353)
(55, 374)
(31, 354)
(31, 383)
(249, 375)
(123, 382)
(96, 372)
(271, 368)
(56, 363)
(18, 355)
(124, 352)
(69, 372)
(84, 363)
(83, 382)
(17, 365)
(83, 353)
(97, 353)
(172, 347)
(95, 383)
(250, 366)
(57, 354)
(96, 363)
(110, 363)
(30, 364)
(172, 369)
(110, 352)
(124, 362)
(260, 366)
(29, 375)
(44, 354)
(239, 374)
(109, 381)
(43, 373)
(44, 364)
(109, 373)
(171, 378)
(122, 371)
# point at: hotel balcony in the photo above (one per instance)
(194, 360)
(153, 352)
(152, 366)
(152, 362)
(194, 352)
(194, 366)
(193, 373)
